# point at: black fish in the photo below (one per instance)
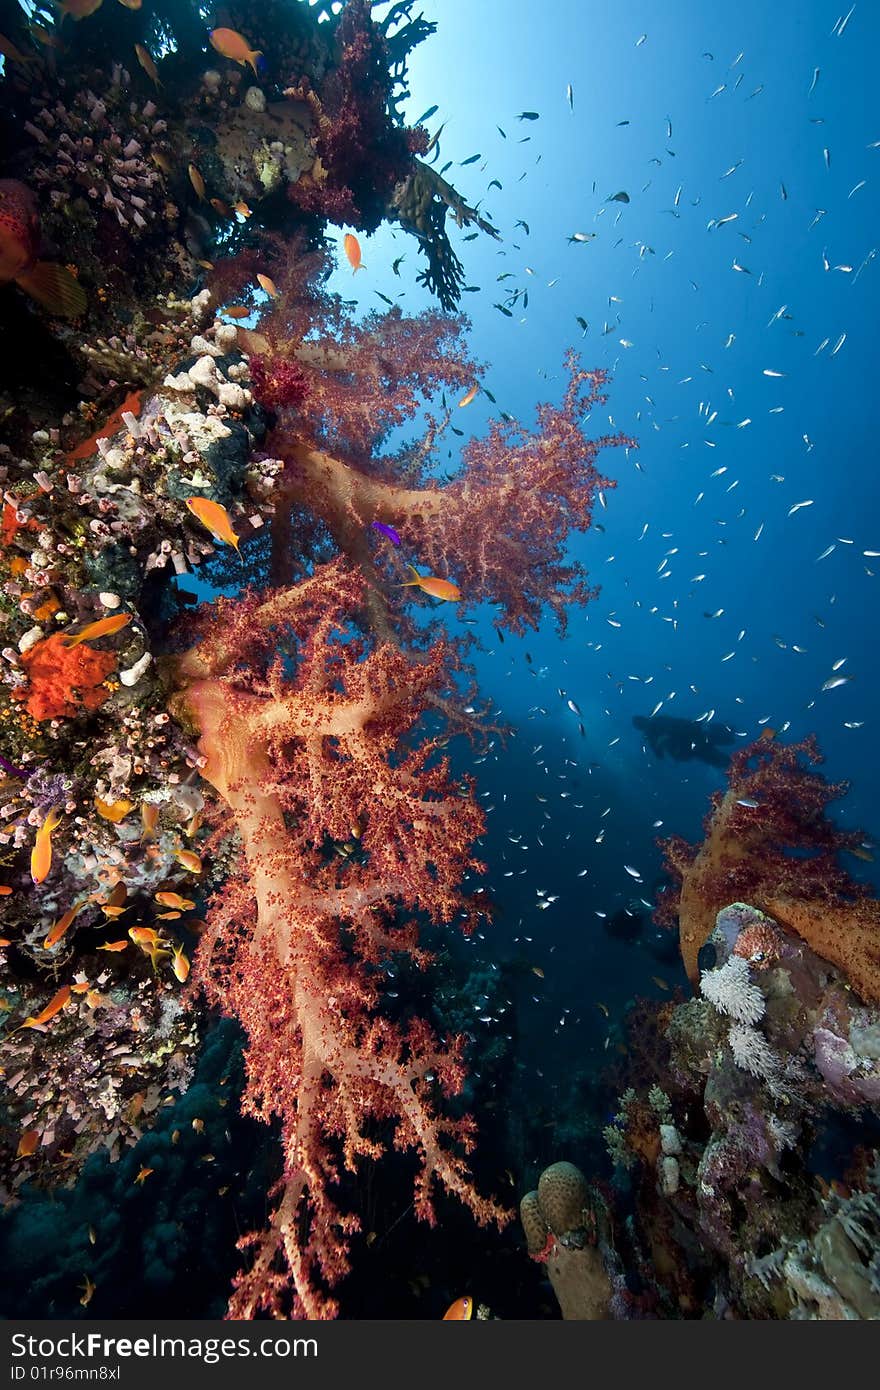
(618, 198)
(472, 159)
(528, 116)
(431, 111)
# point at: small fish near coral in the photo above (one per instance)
(230, 44)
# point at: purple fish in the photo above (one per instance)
(13, 770)
(388, 531)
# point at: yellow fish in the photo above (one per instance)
(214, 518)
(145, 59)
(41, 854)
(189, 860)
(104, 627)
(174, 900)
(352, 248)
(145, 936)
(156, 954)
(442, 589)
(27, 1144)
(230, 44)
(88, 1286)
(57, 930)
(114, 811)
(195, 178)
(180, 964)
(54, 1006)
(149, 819)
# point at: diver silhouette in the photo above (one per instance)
(684, 740)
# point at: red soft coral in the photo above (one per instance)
(361, 152)
(64, 679)
(308, 739)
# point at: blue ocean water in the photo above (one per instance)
(733, 300)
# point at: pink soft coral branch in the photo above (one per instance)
(299, 758)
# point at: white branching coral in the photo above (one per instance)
(751, 1051)
(729, 989)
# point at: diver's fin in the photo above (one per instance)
(55, 287)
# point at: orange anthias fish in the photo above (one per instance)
(114, 811)
(104, 627)
(462, 1310)
(468, 396)
(145, 936)
(242, 209)
(188, 860)
(41, 854)
(180, 964)
(144, 1174)
(197, 181)
(131, 4)
(214, 518)
(174, 900)
(268, 284)
(443, 589)
(145, 59)
(352, 248)
(53, 286)
(149, 819)
(27, 1144)
(57, 930)
(114, 946)
(238, 311)
(230, 44)
(54, 1006)
(112, 425)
